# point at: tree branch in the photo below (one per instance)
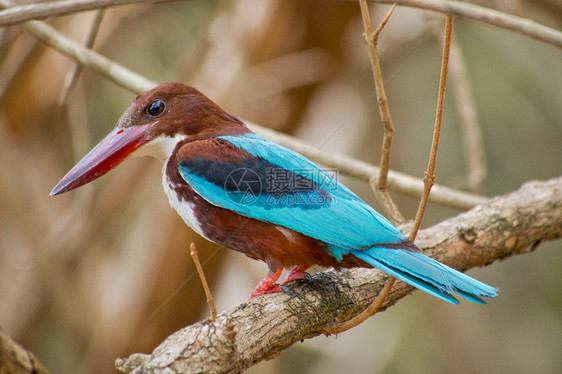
(261, 328)
(379, 184)
(429, 175)
(488, 16)
(472, 12)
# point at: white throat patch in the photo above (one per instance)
(160, 147)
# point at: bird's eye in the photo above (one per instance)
(156, 108)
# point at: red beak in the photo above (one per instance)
(109, 153)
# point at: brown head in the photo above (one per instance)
(153, 125)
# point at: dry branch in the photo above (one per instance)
(260, 329)
(18, 14)
(488, 16)
(210, 299)
(429, 175)
(379, 184)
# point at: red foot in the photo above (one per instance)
(267, 285)
(298, 272)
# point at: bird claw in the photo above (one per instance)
(268, 285)
(298, 272)
(285, 289)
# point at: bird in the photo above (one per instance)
(247, 193)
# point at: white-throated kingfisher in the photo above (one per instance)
(242, 191)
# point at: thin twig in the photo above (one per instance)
(472, 12)
(488, 16)
(381, 94)
(379, 184)
(387, 204)
(429, 178)
(210, 299)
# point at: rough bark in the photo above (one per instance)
(260, 329)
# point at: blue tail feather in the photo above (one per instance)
(427, 274)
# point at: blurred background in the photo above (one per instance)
(104, 271)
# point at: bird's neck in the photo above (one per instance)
(161, 147)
